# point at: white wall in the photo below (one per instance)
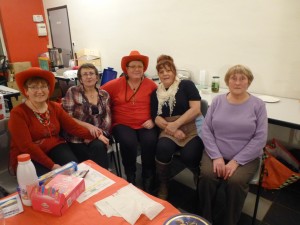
(199, 34)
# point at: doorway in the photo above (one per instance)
(60, 32)
(2, 44)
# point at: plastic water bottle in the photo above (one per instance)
(27, 178)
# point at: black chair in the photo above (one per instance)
(257, 180)
(3, 70)
(203, 108)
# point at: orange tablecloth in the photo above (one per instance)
(86, 212)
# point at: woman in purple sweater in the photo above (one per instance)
(234, 134)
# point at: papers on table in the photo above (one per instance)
(94, 182)
(11, 205)
(129, 202)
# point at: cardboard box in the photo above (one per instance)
(21, 98)
(87, 54)
(58, 195)
(17, 67)
(96, 62)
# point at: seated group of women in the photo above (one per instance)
(158, 120)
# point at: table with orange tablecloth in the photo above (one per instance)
(86, 213)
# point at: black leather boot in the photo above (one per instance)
(163, 172)
(148, 184)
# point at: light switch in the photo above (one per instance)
(41, 28)
(38, 18)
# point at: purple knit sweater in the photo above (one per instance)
(235, 131)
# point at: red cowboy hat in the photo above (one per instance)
(134, 56)
(23, 76)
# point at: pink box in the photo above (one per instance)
(58, 195)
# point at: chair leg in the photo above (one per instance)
(118, 160)
(113, 157)
(257, 195)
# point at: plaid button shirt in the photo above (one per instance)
(77, 105)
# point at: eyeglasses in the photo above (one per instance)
(95, 110)
(88, 74)
(136, 67)
(239, 79)
(36, 88)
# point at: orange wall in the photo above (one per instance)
(19, 31)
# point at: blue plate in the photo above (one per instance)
(186, 219)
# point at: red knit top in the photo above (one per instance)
(28, 135)
(127, 109)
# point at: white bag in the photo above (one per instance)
(70, 74)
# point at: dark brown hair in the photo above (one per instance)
(165, 61)
(87, 66)
(37, 80)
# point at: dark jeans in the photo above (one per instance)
(190, 154)
(96, 150)
(60, 154)
(129, 140)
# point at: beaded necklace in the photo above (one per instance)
(44, 118)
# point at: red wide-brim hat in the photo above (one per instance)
(23, 76)
(134, 56)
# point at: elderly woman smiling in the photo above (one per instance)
(35, 125)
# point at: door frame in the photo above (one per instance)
(2, 43)
(56, 8)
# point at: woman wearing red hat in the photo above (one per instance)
(131, 119)
(35, 124)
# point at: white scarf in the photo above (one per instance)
(167, 97)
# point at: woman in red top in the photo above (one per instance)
(35, 124)
(131, 119)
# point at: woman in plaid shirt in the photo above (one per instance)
(89, 106)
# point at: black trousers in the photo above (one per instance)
(60, 154)
(96, 150)
(129, 140)
(190, 154)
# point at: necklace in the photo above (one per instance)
(44, 117)
(134, 87)
(132, 97)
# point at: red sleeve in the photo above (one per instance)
(21, 137)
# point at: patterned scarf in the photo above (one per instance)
(167, 96)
